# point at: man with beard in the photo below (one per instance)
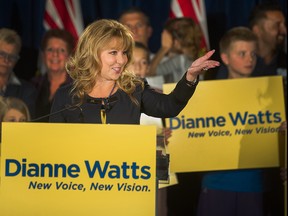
(267, 21)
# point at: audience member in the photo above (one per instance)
(139, 24)
(140, 60)
(267, 22)
(140, 66)
(234, 192)
(56, 48)
(180, 46)
(13, 110)
(10, 85)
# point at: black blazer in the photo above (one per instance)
(121, 109)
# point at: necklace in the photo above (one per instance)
(106, 106)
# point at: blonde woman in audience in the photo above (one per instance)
(13, 110)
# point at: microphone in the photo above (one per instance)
(67, 107)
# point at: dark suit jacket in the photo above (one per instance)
(121, 109)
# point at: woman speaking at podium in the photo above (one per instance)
(104, 91)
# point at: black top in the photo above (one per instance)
(43, 104)
(121, 109)
(276, 66)
(24, 91)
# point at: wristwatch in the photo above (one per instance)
(192, 83)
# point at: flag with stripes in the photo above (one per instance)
(64, 14)
(194, 9)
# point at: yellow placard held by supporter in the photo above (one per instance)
(228, 124)
(77, 169)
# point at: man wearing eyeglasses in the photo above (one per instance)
(138, 22)
(10, 85)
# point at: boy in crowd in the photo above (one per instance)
(234, 192)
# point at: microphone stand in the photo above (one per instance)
(68, 107)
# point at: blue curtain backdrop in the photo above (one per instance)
(26, 16)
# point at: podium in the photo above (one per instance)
(77, 169)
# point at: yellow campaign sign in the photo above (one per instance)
(77, 169)
(228, 124)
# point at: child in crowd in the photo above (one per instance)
(13, 110)
(234, 192)
(140, 66)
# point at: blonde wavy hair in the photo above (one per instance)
(8, 103)
(85, 65)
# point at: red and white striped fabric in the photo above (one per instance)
(64, 14)
(194, 9)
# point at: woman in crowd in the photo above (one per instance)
(57, 46)
(180, 46)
